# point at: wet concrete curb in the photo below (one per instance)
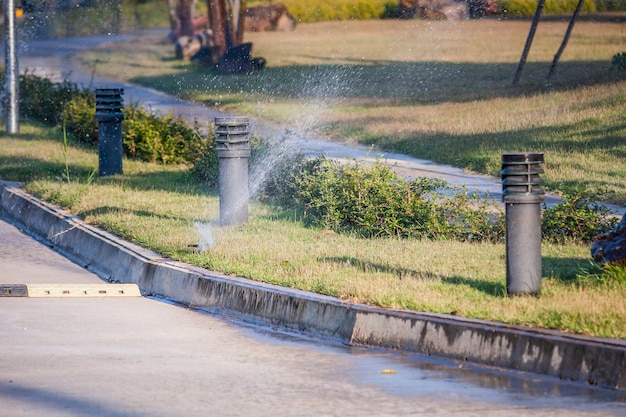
(594, 361)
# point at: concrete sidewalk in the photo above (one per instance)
(131, 356)
(599, 362)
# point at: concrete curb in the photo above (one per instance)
(594, 361)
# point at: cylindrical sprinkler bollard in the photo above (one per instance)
(523, 194)
(109, 105)
(233, 152)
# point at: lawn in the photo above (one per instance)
(436, 90)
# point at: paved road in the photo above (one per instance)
(137, 356)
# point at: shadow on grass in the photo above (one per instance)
(564, 270)
(393, 83)
(569, 270)
(178, 181)
(494, 289)
(103, 210)
(27, 169)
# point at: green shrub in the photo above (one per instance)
(43, 100)
(206, 168)
(618, 62)
(610, 5)
(168, 139)
(146, 136)
(79, 118)
(272, 166)
(309, 11)
(579, 218)
(525, 8)
(374, 202)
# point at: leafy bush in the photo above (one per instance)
(610, 5)
(41, 99)
(578, 218)
(79, 118)
(524, 8)
(168, 139)
(146, 136)
(618, 61)
(272, 166)
(309, 11)
(205, 169)
(374, 202)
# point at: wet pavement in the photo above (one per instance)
(139, 356)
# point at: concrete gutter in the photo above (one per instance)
(595, 361)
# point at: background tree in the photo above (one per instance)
(180, 13)
(570, 27)
(529, 42)
(226, 19)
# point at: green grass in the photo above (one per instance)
(434, 90)
(157, 207)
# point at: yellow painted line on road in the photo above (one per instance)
(69, 290)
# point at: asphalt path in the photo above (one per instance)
(139, 356)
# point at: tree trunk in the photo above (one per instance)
(186, 23)
(226, 18)
(236, 15)
(570, 27)
(242, 17)
(180, 18)
(220, 27)
(529, 41)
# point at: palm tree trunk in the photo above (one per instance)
(529, 41)
(570, 27)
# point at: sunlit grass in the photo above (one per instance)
(435, 90)
(157, 207)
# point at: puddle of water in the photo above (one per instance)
(413, 375)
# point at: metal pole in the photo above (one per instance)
(522, 192)
(233, 152)
(109, 104)
(11, 89)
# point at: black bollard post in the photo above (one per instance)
(523, 194)
(233, 152)
(109, 104)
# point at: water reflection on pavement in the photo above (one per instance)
(415, 375)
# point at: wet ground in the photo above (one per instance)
(147, 357)
(138, 356)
